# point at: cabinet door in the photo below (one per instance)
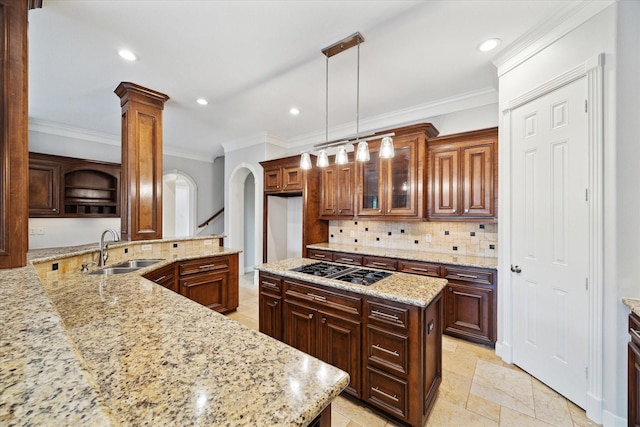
(208, 289)
(468, 312)
(339, 345)
(329, 190)
(291, 178)
(344, 194)
(44, 188)
(444, 182)
(370, 185)
(165, 276)
(320, 254)
(270, 320)
(300, 327)
(477, 181)
(272, 180)
(401, 178)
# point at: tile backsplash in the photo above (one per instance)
(462, 238)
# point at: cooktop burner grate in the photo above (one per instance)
(357, 276)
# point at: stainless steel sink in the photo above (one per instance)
(137, 263)
(127, 266)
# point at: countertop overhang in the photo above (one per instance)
(80, 349)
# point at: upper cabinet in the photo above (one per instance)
(463, 176)
(394, 188)
(337, 190)
(283, 177)
(69, 187)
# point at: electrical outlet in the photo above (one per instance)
(208, 242)
(145, 247)
(40, 230)
(32, 230)
(352, 233)
(427, 238)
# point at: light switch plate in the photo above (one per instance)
(145, 247)
(208, 242)
(427, 238)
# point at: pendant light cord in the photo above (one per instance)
(358, 94)
(326, 103)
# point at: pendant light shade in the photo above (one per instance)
(341, 156)
(386, 149)
(323, 159)
(362, 154)
(305, 161)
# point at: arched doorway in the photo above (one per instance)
(178, 204)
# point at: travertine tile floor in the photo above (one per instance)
(477, 389)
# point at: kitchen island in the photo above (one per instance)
(79, 349)
(387, 334)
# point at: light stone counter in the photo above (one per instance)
(406, 288)
(462, 260)
(80, 349)
(633, 304)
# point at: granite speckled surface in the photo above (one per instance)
(401, 287)
(462, 260)
(633, 304)
(81, 349)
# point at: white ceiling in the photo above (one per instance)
(254, 60)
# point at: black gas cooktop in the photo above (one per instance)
(355, 275)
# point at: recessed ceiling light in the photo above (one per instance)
(202, 101)
(294, 111)
(488, 45)
(127, 54)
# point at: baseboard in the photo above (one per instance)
(594, 408)
(504, 352)
(248, 269)
(612, 420)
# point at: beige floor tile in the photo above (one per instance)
(455, 388)
(483, 407)
(358, 413)
(550, 406)
(445, 414)
(462, 363)
(449, 344)
(337, 419)
(511, 418)
(579, 417)
(504, 386)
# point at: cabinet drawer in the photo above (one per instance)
(379, 262)
(320, 254)
(271, 284)
(387, 392)
(204, 264)
(346, 258)
(326, 299)
(634, 329)
(467, 275)
(388, 350)
(418, 267)
(385, 314)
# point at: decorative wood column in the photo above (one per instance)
(141, 207)
(14, 143)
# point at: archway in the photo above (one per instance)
(179, 204)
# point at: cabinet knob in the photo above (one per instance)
(340, 211)
(453, 211)
(380, 210)
(310, 315)
(466, 211)
(450, 289)
(516, 269)
(324, 320)
(388, 210)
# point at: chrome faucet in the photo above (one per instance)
(104, 247)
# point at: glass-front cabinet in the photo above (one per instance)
(395, 187)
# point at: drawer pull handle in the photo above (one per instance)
(394, 397)
(347, 259)
(159, 279)
(419, 269)
(316, 297)
(388, 316)
(466, 276)
(635, 332)
(377, 347)
(320, 256)
(380, 264)
(202, 267)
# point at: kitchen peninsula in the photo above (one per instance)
(82, 349)
(382, 328)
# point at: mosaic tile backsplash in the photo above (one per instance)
(462, 238)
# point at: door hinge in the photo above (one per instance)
(585, 106)
(586, 284)
(586, 194)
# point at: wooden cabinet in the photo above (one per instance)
(470, 304)
(68, 187)
(44, 186)
(391, 351)
(337, 192)
(210, 282)
(283, 178)
(383, 263)
(463, 178)
(270, 306)
(320, 254)
(419, 267)
(394, 188)
(165, 276)
(633, 384)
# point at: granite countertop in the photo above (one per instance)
(462, 260)
(633, 304)
(81, 349)
(401, 287)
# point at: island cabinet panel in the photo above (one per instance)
(320, 254)
(633, 391)
(339, 345)
(212, 282)
(379, 262)
(165, 276)
(270, 305)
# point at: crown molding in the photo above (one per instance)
(527, 46)
(65, 131)
(255, 139)
(406, 116)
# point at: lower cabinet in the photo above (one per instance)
(210, 281)
(633, 391)
(391, 351)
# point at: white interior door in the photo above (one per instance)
(549, 239)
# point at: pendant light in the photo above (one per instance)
(305, 161)
(323, 159)
(386, 148)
